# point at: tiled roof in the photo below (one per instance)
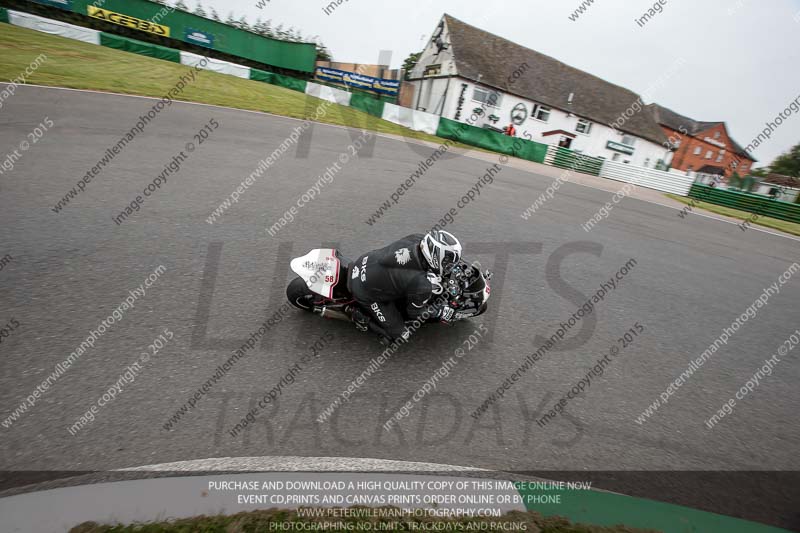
(486, 58)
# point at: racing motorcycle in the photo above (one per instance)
(321, 287)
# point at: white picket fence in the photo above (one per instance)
(651, 178)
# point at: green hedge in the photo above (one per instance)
(491, 140)
(138, 47)
(753, 203)
(262, 75)
(3, 14)
(367, 104)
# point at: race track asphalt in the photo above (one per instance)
(71, 269)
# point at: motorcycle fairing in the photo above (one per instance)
(319, 269)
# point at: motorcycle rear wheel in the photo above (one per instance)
(300, 296)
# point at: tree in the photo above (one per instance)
(410, 63)
(199, 11)
(230, 21)
(735, 181)
(215, 15)
(242, 24)
(323, 54)
(787, 163)
(268, 28)
(180, 4)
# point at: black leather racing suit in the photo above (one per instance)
(391, 282)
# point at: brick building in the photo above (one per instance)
(705, 148)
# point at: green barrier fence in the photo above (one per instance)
(138, 47)
(490, 140)
(753, 203)
(262, 75)
(569, 159)
(290, 83)
(368, 104)
(3, 14)
(189, 28)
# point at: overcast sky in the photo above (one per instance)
(741, 58)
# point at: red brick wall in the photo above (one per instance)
(686, 159)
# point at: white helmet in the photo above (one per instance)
(441, 250)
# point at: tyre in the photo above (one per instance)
(299, 296)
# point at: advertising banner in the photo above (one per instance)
(359, 81)
(200, 38)
(127, 21)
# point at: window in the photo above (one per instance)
(489, 98)
(734, 165)
(697, 150)
(615, 157)
(583, 126)
(432, 70)
(709, 154)
(627, 140)
(541, 112)
(647, 162)
(717, 135)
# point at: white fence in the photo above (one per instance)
(647, 177)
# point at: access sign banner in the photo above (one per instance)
(127, 21)
(359, 81)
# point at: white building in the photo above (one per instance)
(463, 67)
(782, 187)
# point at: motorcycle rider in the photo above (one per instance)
(403, 276)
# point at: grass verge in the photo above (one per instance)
(774, 223)
(80, 65)
(282, 520)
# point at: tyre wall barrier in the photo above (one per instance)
(53, 27)
(410, 118)
(329, 94)
(367, 104)
(491, 140)
(215, 65)
(118, 42)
